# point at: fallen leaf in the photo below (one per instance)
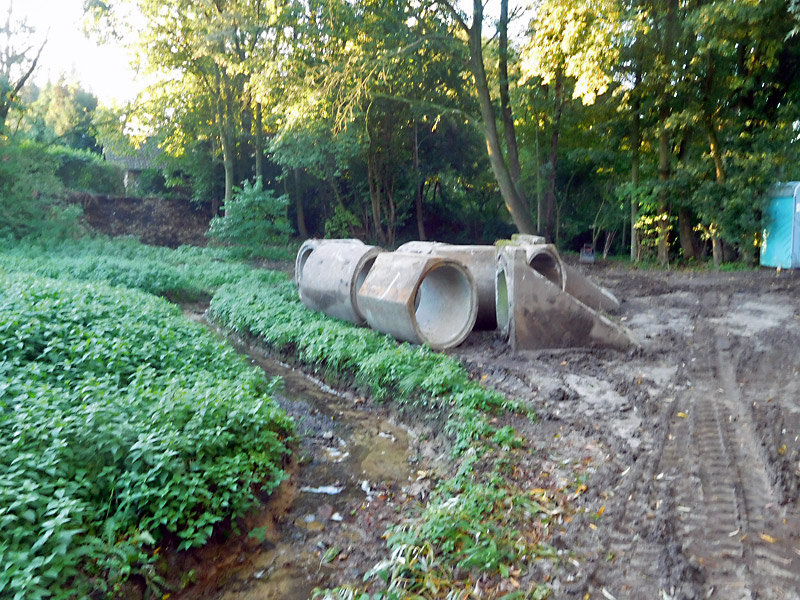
(682, 415)
(768, 538)
(601, 511)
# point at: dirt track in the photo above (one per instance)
(691, 445)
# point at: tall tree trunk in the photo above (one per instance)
(516, 205)
(226, 120)
(548, 226)
(506, 114)
(419, 184)
(717, 248)
(664, 142)
(373, 179)
(664, 161)
(686, 233)
(636, 144)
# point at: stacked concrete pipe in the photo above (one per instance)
(480, 261)
(328, 274)
(534, 313)
(545, 259)
(435, 294)
(420, 299)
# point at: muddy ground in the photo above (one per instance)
(689, 449)
(693, 441)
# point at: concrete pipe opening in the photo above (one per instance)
(329, 276)
(444, 305)
(501, 302)
(548, 266)
(302, 257)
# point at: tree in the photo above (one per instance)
(570, 43)
(205, 53)
(501, 163)
(62, 113)
(19, 56)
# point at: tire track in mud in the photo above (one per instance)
(707, 505)
(726, 510)
(698, 515)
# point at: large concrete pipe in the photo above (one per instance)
(480, 261)
(420, 299)
(329, 273)
(545, 259)
(533, 313)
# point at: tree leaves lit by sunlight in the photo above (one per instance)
(577, 40)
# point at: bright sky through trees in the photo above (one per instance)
(103, 70)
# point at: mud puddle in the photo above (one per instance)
(349, 478)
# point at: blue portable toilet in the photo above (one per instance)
(780, 242)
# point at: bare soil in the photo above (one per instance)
(687, 449)
(690, 446)
(154, 221)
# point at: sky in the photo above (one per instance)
(102, 70)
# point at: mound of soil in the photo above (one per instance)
(174, 222)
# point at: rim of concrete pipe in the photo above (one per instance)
(502, 308)
(445, 305)
(302, 257)
(308, 247)
(548, 265)
(362, 270)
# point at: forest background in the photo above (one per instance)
(649, 129)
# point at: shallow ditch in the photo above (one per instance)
(324, 526)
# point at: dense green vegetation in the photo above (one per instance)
(647, 128)
(127, 426)
(123, 426)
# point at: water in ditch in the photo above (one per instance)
(349, 477)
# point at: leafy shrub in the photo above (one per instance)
(28, 190)
(85, 171)
(120, 421)
(254, 220)
(151, 182)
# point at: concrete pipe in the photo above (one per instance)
(526, 238)
(533, 313)
(545, 260)
(329, 275)
(584, 289)
(420, 299)
(480, 261)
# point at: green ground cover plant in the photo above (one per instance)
(491, 533)
(409, 376)
(185, 274)
(122, 426)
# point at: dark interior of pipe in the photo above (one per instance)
(546, 265)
